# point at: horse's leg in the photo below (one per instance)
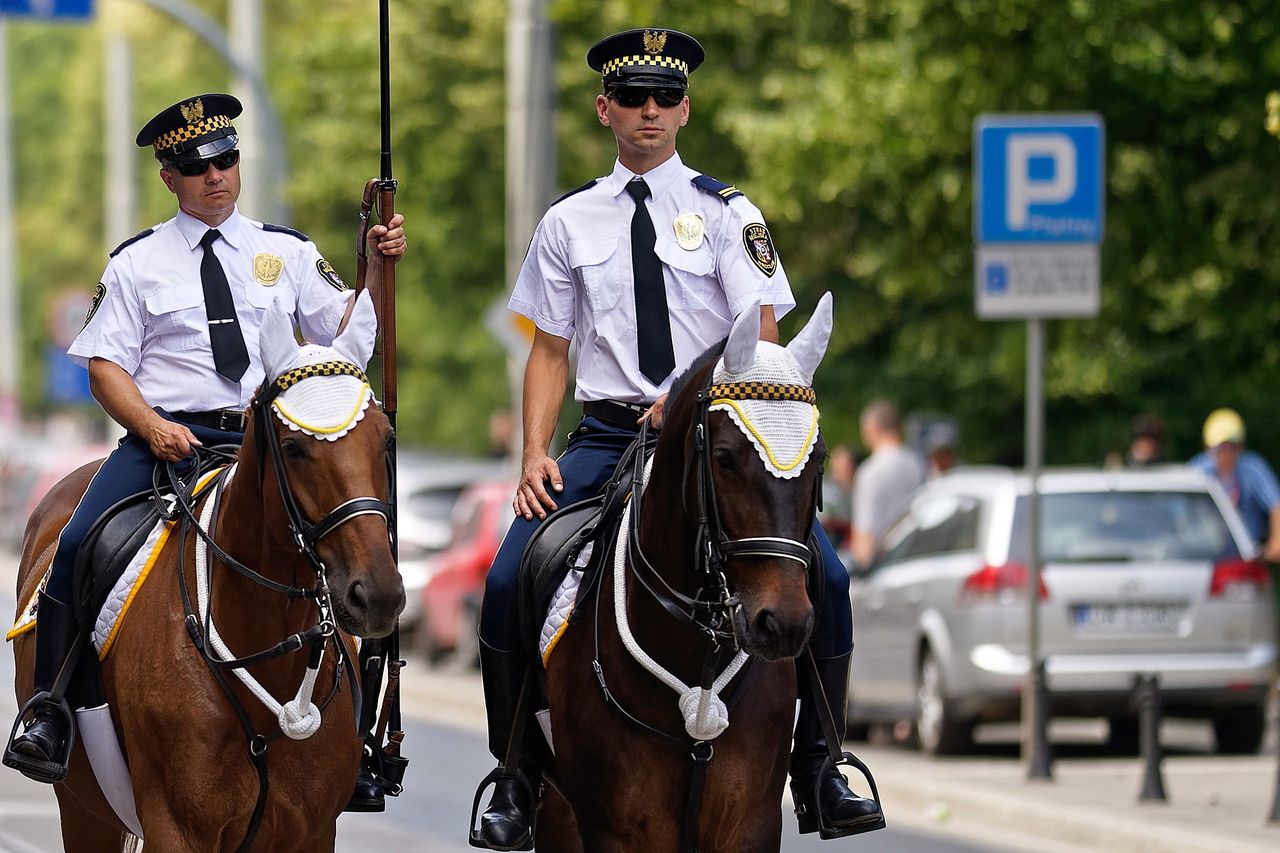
(82, 830)
(557, 825)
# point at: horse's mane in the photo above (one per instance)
(699, 364)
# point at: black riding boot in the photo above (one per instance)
(507, 822)
(40, 752)
(843, 811)
(368, 794)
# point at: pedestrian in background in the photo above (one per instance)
(940, 448)
(885, 481)
(1245, 476)
(1146, 442)
(837, 496)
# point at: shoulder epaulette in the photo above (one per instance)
(282, 229)
(127, 243)
(588, 185)
(706, 183)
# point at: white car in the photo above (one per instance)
(1144, 571)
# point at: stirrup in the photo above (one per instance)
(55, 769)
(868, 823)
(474, 838)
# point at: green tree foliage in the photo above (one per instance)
(848, 121)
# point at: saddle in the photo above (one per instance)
(557, 545)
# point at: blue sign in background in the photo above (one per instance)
(1039, 179)
(65, 381)
(48, 8)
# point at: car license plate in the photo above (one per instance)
(1127, 618)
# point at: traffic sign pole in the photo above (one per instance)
(1038, 220)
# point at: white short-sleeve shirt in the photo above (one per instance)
(576, 281)
(149, 318)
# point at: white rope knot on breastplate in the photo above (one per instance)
(705, 714)
(299, 718)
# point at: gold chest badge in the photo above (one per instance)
(689, 230)
(267, 268)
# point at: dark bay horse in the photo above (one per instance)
(195, 783)
(747, 504)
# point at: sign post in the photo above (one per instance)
(1037, 223)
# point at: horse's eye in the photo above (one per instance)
(293, 448)
(725, 458)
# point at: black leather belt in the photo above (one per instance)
(227, 420)
(616, 413)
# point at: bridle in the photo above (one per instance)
(711, 608)
(306, 534)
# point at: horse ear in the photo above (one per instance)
(276, 343)
(808, 347)
(740, 349)
(356, 340)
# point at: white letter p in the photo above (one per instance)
(1020, 190)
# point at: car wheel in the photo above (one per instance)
(1239, 731)
(1122, 735)
(937, 730)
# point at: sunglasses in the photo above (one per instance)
(195, 168)
(636, 96)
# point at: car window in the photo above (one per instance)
(944, 525)
(1125, 526)
(434, 503)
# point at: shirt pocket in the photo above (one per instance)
(693, 270)
(596, 263)
(262, 296)
(176, 318)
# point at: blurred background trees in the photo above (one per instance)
(848, 122)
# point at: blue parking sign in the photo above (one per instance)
(1039, 179)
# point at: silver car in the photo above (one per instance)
(1144, 571)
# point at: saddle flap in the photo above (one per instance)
(547, 558)
(106, 551)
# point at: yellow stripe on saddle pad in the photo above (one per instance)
(558, 614)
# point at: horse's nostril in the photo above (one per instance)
(767, 625)
(357, 600)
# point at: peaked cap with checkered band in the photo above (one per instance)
(646, 57)
(193, 129)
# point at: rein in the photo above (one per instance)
(711, 609)
(298, 718)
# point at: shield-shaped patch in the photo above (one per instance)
(760, 248)
(98, 293)
(330, 275)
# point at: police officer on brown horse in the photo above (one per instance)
(171, 345)
(645, 269)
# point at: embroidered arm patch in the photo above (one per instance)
(759, 247)
(329, 274)
(98, 293)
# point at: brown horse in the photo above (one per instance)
(627, 784)
(194, 780)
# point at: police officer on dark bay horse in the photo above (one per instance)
(645, 268)
(171, 344)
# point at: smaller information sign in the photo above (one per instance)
(1015, 281)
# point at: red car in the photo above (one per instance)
(455, 576)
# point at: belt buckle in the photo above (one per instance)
(230, 420)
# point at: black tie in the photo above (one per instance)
(653, 325)
(229, 355)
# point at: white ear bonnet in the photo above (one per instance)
(326, 410)
(767, 390)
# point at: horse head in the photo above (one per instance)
(759, 470)
(330, 446)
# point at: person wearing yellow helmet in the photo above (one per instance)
(1245, 476)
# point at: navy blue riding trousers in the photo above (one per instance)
(125, 472)
(594, 449)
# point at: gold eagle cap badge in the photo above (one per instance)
(267, 268)
(193, 111)
(655, 41)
